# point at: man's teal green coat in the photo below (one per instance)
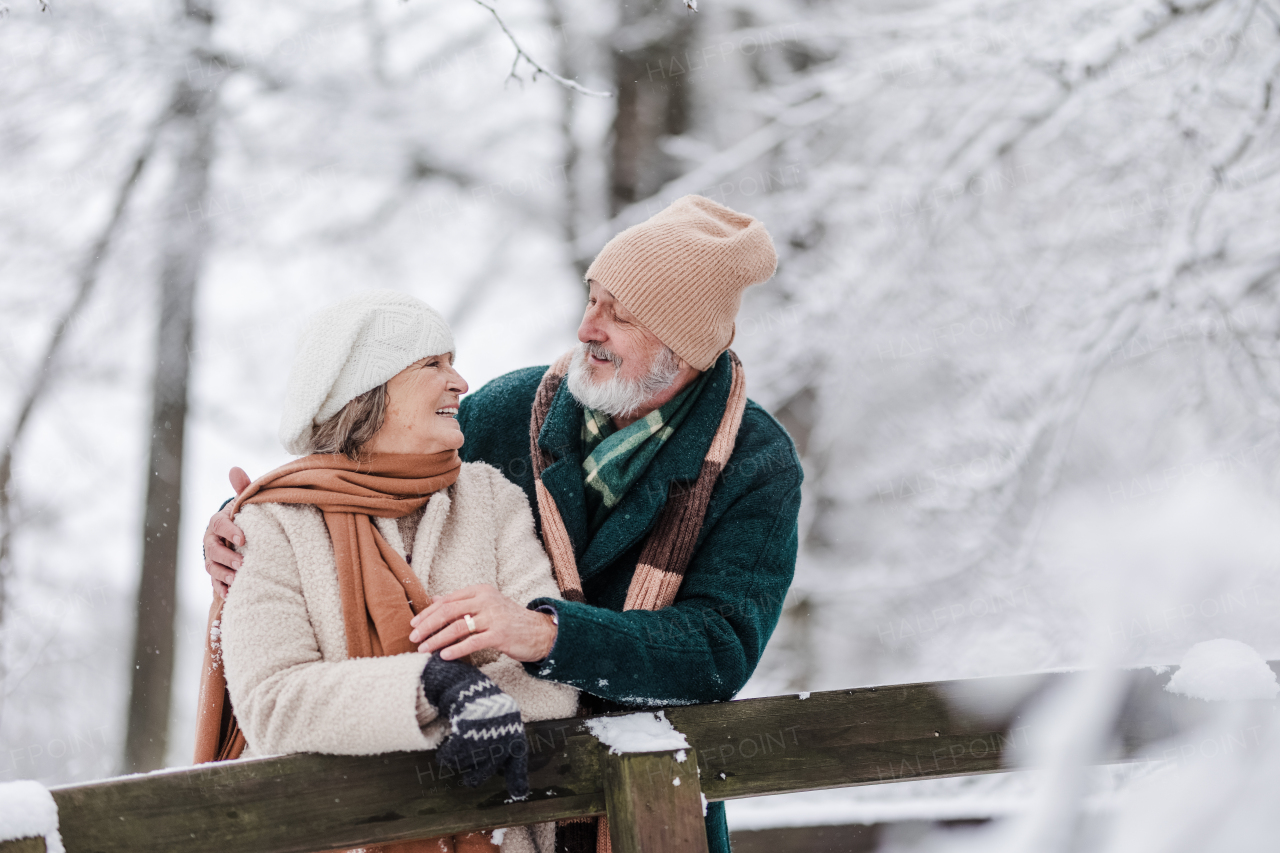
(704, 647)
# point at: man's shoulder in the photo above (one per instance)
(764, 446)
(495, 419)
(516, 388)
(757, 420)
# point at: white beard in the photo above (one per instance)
(614, 396)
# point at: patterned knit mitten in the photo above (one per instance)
(486, 733)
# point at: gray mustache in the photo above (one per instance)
(600, 352)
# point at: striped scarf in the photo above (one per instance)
(617, 458)
(666, 552)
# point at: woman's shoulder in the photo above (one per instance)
(278, 511)
(280, 535)
(288, 519)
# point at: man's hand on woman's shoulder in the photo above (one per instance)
(220, 560)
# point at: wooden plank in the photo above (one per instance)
(781, 744)
(854, 838)
(654, 803)
(23, 845)
(306, 803)
(872, 735)
(840, 738)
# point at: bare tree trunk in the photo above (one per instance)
(651, 68)
(185, 236)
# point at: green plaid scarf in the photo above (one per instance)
(617, 458)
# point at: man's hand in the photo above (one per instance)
(501, 624)
(219, 560)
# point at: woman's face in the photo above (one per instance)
(422, 409)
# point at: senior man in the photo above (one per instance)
(667, 500)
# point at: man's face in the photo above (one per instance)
(611, 331)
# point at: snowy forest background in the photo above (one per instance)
(1023, 331)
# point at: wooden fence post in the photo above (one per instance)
(654, 802)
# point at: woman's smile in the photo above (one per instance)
(409, 426)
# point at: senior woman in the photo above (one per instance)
(346, 544)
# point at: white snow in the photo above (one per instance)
(875, 804)
(640, 732)
(1224, 671)
(704, 803)
(27, 810)
(497, 836)
(675, 780)
(995, 795)
(804, 694)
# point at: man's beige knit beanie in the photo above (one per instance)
(682, 273)
(352, 347)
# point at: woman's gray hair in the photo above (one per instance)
(352, 427)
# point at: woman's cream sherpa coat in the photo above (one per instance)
(284, 646)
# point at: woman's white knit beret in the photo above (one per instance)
(353, 347)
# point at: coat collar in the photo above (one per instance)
(679, 460)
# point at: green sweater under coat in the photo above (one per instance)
(704, 647)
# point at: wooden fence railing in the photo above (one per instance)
(746, 748)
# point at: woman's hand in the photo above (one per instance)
(501, 624)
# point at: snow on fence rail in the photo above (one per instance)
(746, 748)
